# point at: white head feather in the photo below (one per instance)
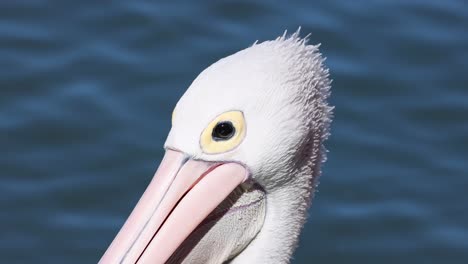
(282, 87)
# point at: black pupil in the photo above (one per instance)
(223, 131)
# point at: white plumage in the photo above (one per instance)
(281, 88)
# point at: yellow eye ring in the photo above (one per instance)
(224, 133)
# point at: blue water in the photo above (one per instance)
(87, 91)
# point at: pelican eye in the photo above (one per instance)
(223, 133)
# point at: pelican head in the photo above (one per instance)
(242, 160)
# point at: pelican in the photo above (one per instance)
(241, 162)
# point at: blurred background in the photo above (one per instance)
(87, 91)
